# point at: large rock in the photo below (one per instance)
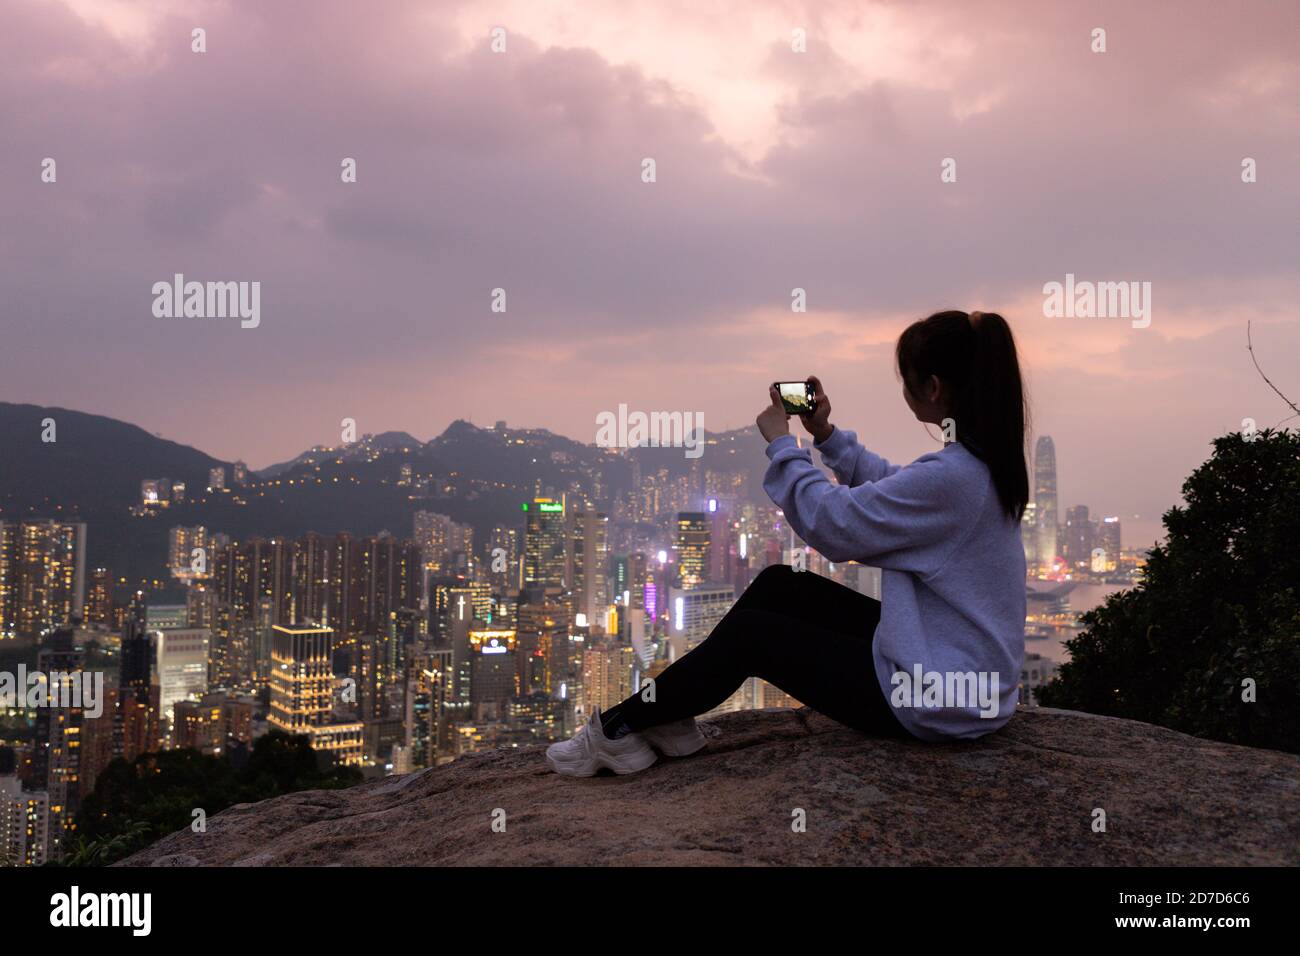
(1024, 795)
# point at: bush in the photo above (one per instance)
(1217, 607)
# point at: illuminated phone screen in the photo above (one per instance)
(797, 397)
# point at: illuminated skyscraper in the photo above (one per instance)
(1079, 538)
(1108, 539)
(136, 722)
(56, 756)
(544, 543)
(391, 578)
(311, 580)
(503, 559)
(692, 546)
(494, 673)
(182, 659)
(1045, 500)
(694, 613)
(302, 688)
(608, 671)
(24, 818)
(445, 543)
(587, 556)
(190, 551)
(42, 575)
(99, 603)
(1029, 536)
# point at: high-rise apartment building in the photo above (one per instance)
(56, 755)
(694, 612)
(99, 602)
(446, 544)
(587, 557)
(692, 547)
(493, 676)
(136, 727)
(189, 553)
(609, 669)
(24, 818)
(1079, 538)
(42, 575)
(544, 565)
(302, 689)
(1108, 539)
(182, 667)
(503, 562)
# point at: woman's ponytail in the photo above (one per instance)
(974, 356)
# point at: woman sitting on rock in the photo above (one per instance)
(939, 657)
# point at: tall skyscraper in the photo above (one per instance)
(1045, 500)
(692, 546)
(544, 543)
(446, 544)
(608, 670)
(311, 584)
(302, 691)
(494, 672)
(182, 658)
(1029, 536)
(587, 557)
(24, 818)
(42, 575)
(136, 722)
(503, 559)
(694, 613)
(99, 603)
(189, 553)
(1079, 538)
(1108, 539)
(56, 757)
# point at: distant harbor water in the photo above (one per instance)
(1084, 597)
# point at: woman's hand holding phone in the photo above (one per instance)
(773, 421)
(818, 423)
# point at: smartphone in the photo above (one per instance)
(798, 398)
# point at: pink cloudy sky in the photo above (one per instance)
(521, 170)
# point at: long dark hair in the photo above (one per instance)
(974, 356)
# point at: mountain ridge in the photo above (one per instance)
(93, 472)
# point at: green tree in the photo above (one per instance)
(1218, 607)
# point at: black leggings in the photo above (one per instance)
(796, 630)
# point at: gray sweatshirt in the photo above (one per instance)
(951, 638)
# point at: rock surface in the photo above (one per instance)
(1024, 795)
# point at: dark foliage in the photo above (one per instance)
(1219, 606)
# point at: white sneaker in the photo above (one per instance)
(681, 738)
(589, 750)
